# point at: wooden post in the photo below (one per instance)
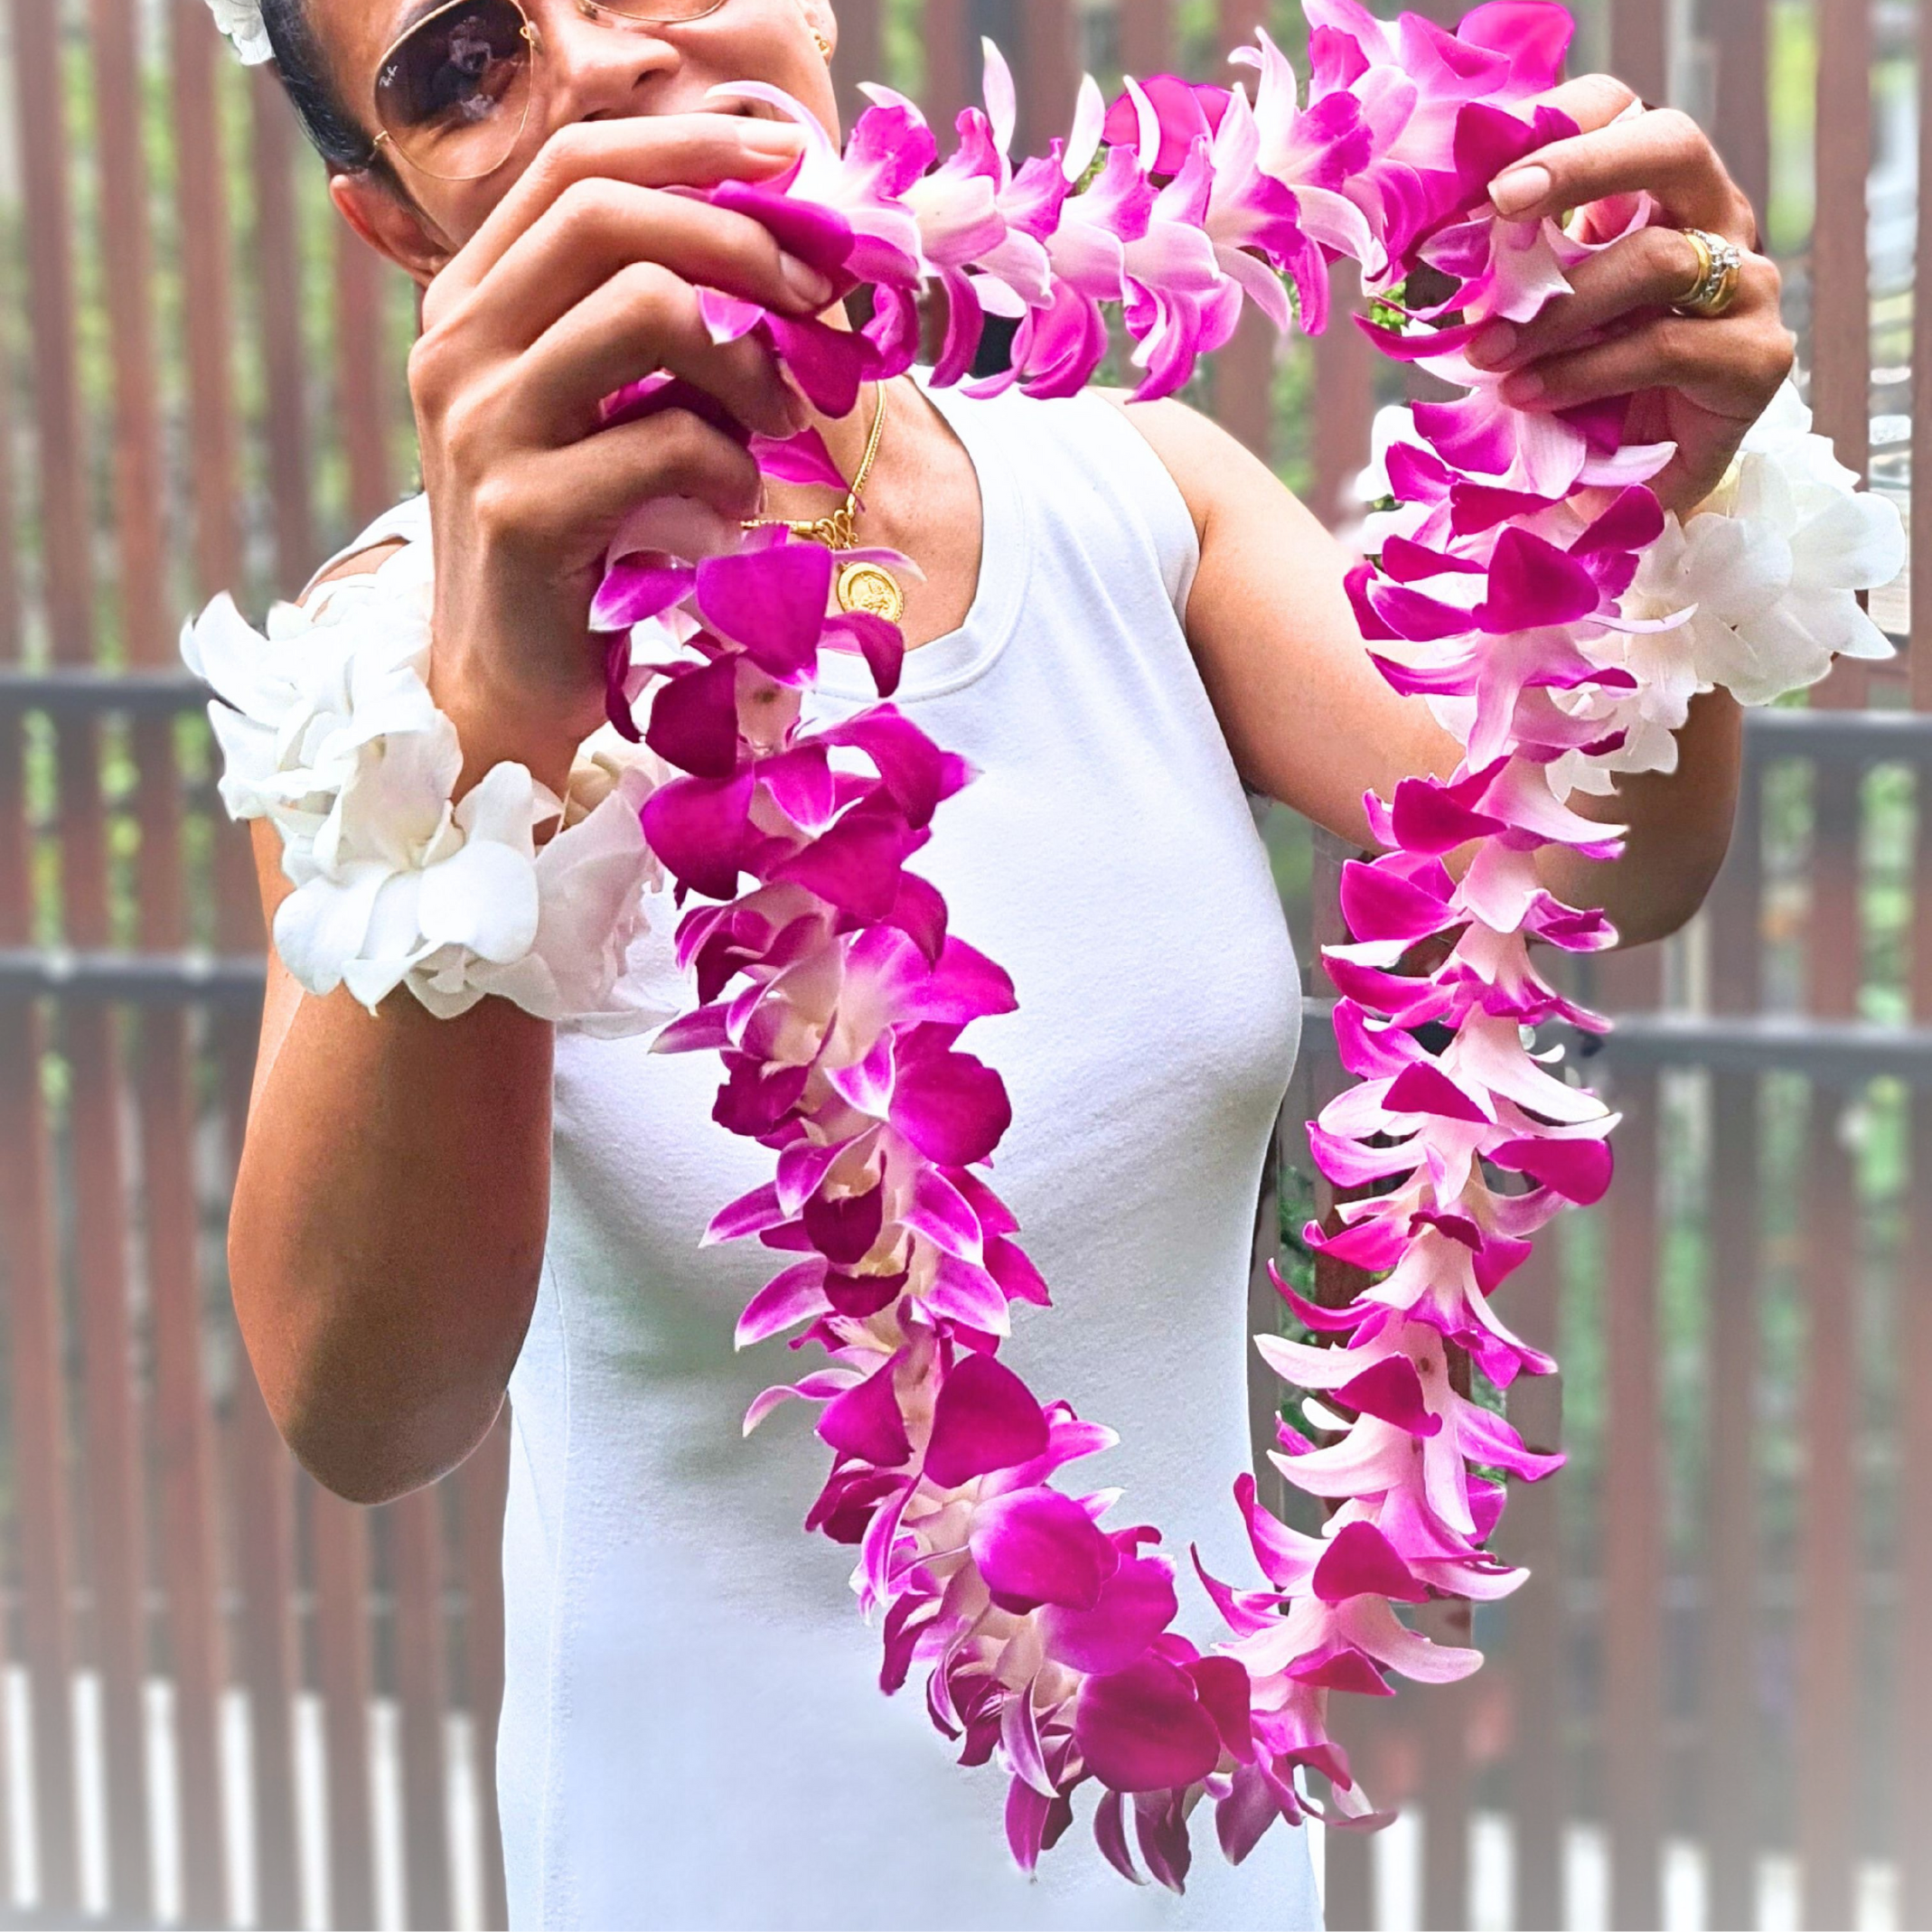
(116, 1539)
(181, 1440)
(1730, 1752)
(1630, 1626)
(1828, 1579)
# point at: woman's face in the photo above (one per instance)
(588, 68)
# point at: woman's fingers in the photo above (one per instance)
(642, 319)
(1654, 268)
(596, 228)
(585, 489)
(1661, 150)
(1727, 367)
(647, 150)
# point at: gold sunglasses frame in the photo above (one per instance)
(589, 9)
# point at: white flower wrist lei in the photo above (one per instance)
(328, 729)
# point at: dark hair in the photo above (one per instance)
(331, 129)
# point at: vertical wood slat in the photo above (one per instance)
(1732, 1755)
(1345, 397)
(1147, 36)
(339, 1551)
(422, 1692)
(1630, 1626)
(1533, 1535)
(952, 65)
(275, 248)
(860, 54)
(361, 373)
(1840, 302)
(1046, 65)
(1828, 1539)
(482, 1485)
(40, 1529)
(1741, 122)
(116, 1539)
(1640, 46)
(184, 1472)
(1912, 1780)
(181, 1433)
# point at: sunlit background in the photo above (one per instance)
(228, 1698)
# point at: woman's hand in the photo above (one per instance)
(1698, 382)
(583, 279)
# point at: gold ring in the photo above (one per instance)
(1720, 271)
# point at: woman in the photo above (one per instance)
(1123, 620)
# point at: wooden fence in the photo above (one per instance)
(230, 1697)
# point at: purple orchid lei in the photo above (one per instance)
(836, 996)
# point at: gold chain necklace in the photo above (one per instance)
(869, 587)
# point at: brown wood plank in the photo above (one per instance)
(1443, 1719)
(40, 1564)
(1840, 345)
(183, 1468)
(422, 1692)
(1829, 1608)
(858, 55)
(1147, 36)
(1740, 124)
(274, 246)
(1731, 1750)
(1913, 1779)
(339, 1551)
(1047, 66)
(1536, 1660)
(1640, 47)
(951, 66)
(482, 1484)
(266, 1644)
(1631, 1627)
(1345, 397)
(117, 1628)
(1919, 660)
(363, 374)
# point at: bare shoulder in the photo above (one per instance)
(1207, 465)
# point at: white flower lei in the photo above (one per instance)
(242, 22)
(328, 729)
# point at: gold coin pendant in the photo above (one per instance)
(870, 588)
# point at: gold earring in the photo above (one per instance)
(822, 44)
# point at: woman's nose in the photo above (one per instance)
(599, 59)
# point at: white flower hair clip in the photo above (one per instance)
(241, 21)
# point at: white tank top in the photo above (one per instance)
(692, 1731)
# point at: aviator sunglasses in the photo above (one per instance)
(453, 91)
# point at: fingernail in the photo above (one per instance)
(1510, 193)
(1493, 345)
(1524, 386)
(804, 281)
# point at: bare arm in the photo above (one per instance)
(1310, 721)
(388, 1220)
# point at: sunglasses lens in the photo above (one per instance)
(453, 92)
